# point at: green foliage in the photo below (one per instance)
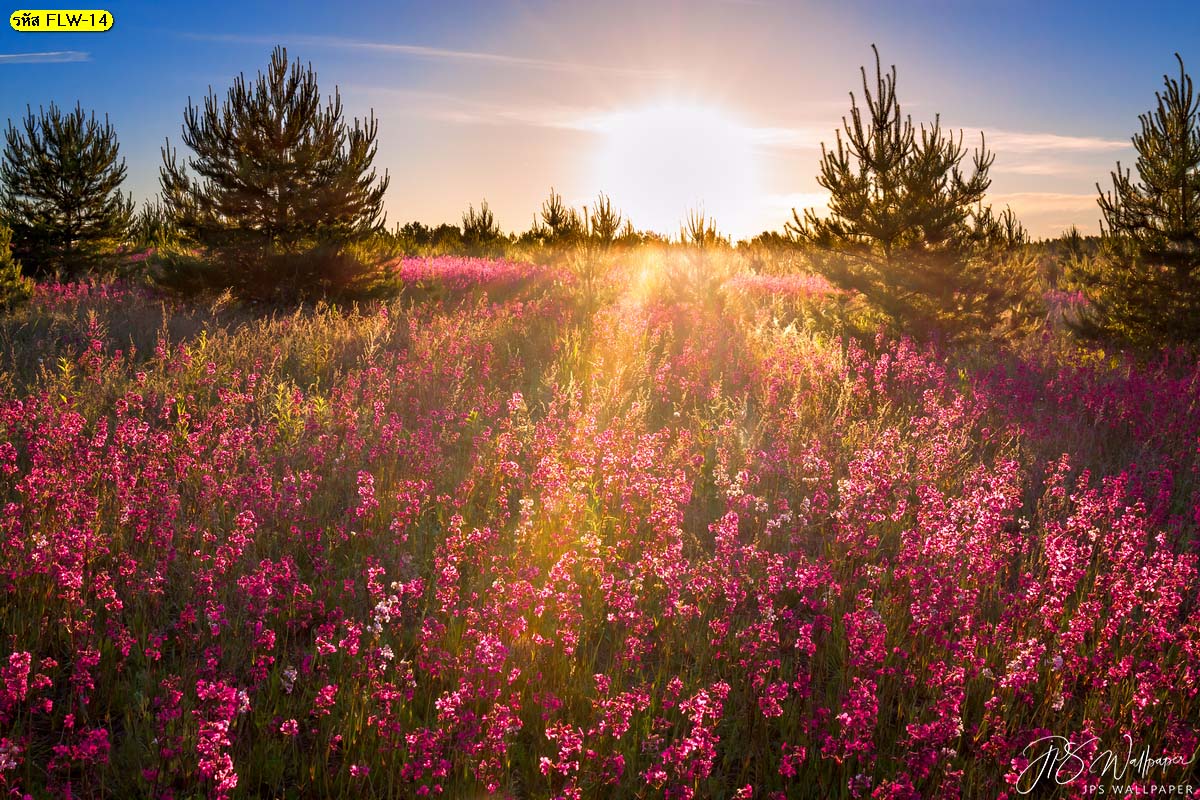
(700, 263)
(419, 239)
(560, 225)
(1066, 258)
(481, 234)
(15, 288)
(60, 191)
(772, 252)
(604, 222)
(560, 234)
(1071, 245)
(349, 271)
(591, 236)
(1144, 287)
(153, 226)
(285, 184)
(630, 236)
(907, 229)
(998, 233)
(700, 231)
(561, 230)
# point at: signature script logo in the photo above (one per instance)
(1060, 760)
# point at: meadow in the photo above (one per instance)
(489, 539)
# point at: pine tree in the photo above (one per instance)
(284, 183)
(604, 222)
(481, 233)
(1144, 286)
(907, 230)
(560, 223)
(591, 236)
(60, 191)
(152, 226)
(15, 288)
(699, 231)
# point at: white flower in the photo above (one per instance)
(8, 756)
(289, 679)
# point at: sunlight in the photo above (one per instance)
(658, 161)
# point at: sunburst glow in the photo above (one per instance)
(658, 161)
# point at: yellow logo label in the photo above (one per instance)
(59, 21)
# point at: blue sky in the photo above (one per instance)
(502, 100)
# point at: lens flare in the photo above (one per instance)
(658, 161)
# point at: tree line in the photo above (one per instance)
(277, 193)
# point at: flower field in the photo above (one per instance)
(490, 541)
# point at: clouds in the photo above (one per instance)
(1023, 152)
(1024, 142)
(1040, 154)
(1026, 161)
(550, 102)
(49, 57)
(460, 109)
(435, 53)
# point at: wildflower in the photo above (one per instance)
(288, 679)
(10, 755)
(325, 700)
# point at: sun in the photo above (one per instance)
(657, 162)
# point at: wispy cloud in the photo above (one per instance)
(1043, 167)
(1051, 154)
(1001, 141)
(462, 110)
(1029, 142)
(50, 57)
(432, 53)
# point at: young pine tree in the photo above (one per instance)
(481, 234)
(561, 224)
(1144, 286)
(60, 192)
(152, 226)
(907, 227)
(15, 288)
(699, 231)
(592, 236)
(284, 184)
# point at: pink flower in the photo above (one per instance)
(325, 700)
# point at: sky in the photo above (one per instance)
(719, 105)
